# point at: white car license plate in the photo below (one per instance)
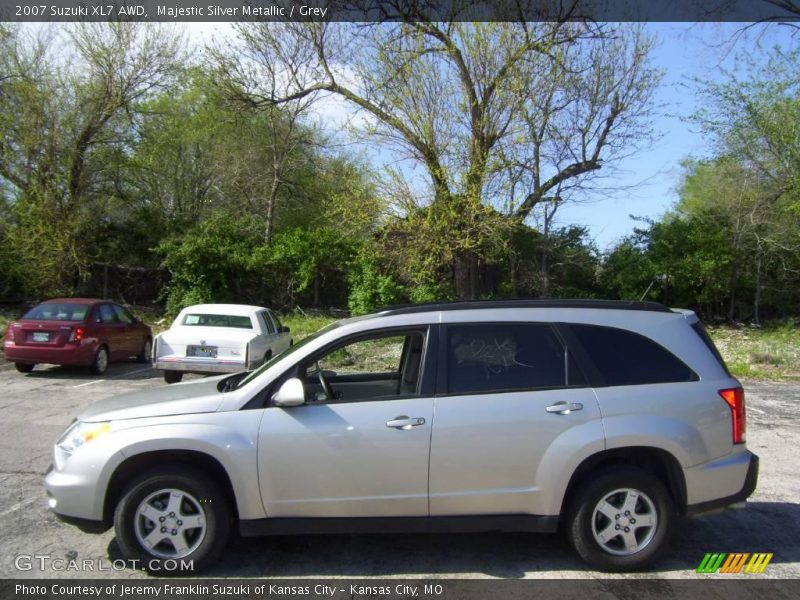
(202, 351)
(41, 336)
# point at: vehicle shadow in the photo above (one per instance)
(117, 370)
(762, 527)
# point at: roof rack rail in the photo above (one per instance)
(403, 309)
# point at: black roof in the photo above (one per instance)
(484, 304)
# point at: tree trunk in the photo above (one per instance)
(466, 275)
(732, 293)
(513, 274)
(270, 212)
(544, 275)
(757, 298)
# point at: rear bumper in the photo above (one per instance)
(750, 480)
(199, 365)
(71, 355)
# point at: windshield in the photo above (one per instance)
(253, 374)
(58, 311)
(201, 320)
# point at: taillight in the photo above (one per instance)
(9, 332)
(76, 335)
(735, 399)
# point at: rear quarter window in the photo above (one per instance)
(703, 335)
(623, 357)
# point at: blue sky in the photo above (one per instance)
(649, 180)
(684, 51)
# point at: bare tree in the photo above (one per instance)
(122, 63)
(60, 134)
(249, 77)
(464, 98)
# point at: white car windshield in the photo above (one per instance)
(207, 320)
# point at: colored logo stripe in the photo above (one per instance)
(735, 562)
(758, 563)
(711, 562)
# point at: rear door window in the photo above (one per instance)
(623, 357)
(503, 357)
(106, 314)
(276, 320)
(123, 315)
(267, 322)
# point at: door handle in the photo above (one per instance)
(405, 423)
(564, 408)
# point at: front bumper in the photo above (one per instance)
(724, 469)
(85, 525)
(75, 496)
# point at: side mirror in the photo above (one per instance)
(136, 320)
(291, 393)
(283, 330)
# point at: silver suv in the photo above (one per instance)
(609, 420)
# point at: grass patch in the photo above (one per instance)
(368, 356)
(771, 352)
(8, 314)
(304, 325)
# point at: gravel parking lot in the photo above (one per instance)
(36, 408)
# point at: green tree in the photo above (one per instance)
(63, 136)
(455, 97)
(209, 262)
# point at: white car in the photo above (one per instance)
(219, 338)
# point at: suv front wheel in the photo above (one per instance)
(172, 521)
(621, 519)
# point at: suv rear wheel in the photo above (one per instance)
(621, 519)
(172, 517)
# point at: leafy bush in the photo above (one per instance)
(370, 287)
(207, 262)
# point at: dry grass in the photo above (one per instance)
(771, 352)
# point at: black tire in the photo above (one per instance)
(197, 496)
(584, 519)
(100, 363)
(173, 376)
(24, 367)
(145, 355)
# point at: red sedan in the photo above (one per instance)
(77, 332)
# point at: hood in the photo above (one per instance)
(176, 399)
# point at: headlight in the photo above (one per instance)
(76, 436)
